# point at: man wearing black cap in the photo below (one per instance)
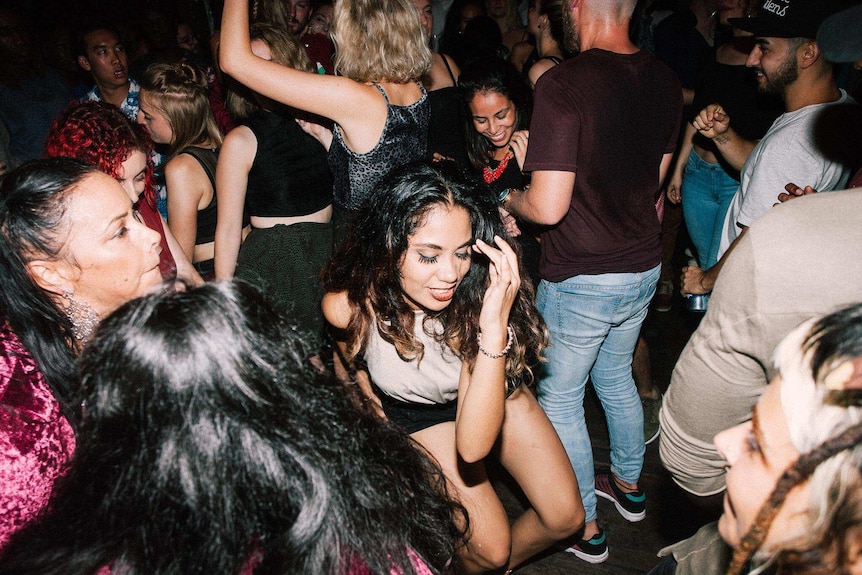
(787, 61)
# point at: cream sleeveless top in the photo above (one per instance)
(434, 379)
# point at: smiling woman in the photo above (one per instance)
(71, 251)
(440, 333)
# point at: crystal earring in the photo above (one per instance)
(82, 316)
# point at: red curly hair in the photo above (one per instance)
(101, 135)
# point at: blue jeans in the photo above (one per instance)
(706, 194)
(594, 322)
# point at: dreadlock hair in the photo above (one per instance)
(825, 425)
(210, 444)
(367, 267)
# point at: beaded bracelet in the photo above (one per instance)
(511, 338)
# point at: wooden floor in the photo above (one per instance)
(671, 515)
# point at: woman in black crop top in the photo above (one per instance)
(269, 167)
(176, 111)
(379, 109)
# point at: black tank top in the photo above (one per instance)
(290, 175)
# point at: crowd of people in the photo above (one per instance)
(271, 303)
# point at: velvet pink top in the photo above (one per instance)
(36, 440)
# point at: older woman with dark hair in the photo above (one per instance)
(71, 251)
(234, 456)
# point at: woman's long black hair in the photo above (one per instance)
(33, 200)
(501, 77)
(367, 267)
(209, 445)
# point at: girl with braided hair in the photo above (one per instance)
(176, 111)
(794, 480)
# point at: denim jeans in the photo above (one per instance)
(594, 322)
(706, 194)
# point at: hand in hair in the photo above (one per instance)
(504, 283)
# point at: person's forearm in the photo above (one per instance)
(711, 275)
(733, 148)
(228, 239)
(547, 199)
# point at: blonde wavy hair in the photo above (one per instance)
(285, 49)
(379, 41)
(179, 92)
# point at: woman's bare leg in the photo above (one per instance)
(488, 540)
(531, 451)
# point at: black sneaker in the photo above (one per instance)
(632, 506)
(593, 551)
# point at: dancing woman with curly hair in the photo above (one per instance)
(441, 334)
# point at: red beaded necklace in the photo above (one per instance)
(490, 175)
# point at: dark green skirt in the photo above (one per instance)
(286, 261)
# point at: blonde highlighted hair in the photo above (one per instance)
(242, 102)
(379, 41)
(179, 92)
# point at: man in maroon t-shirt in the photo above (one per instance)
(603, 132)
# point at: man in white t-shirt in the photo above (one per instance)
(787, 61)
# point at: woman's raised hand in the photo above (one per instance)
(505, 281)
(518, 143)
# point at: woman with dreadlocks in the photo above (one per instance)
(793, 503)
(794, 480)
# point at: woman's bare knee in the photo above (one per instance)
(489, 554)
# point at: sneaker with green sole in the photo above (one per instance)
(594, 550)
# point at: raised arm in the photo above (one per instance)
(234, 163)
(482, 391)
(319, 94)
(714, 123)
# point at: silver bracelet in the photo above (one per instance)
(511, 334)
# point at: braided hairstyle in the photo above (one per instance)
(179, 92)
(821, 397)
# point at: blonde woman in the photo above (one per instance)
(379, 108)
(176, 112)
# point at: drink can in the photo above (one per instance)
(698, 302)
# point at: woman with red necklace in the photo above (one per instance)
(499, 103)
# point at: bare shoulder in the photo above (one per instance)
(337, 309)
(240, 143)
(239, 136)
